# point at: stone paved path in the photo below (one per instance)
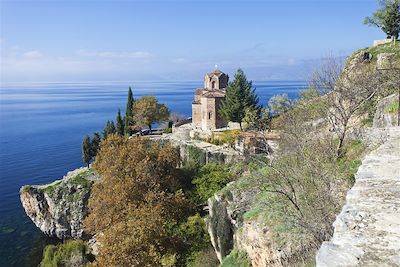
(367, 231)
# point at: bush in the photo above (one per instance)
(70, 253)
(226, 137)
(236, 259)
(196, 238)
(204, 258)
(168, 130)
(210, 179)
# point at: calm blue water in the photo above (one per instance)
(41, 130)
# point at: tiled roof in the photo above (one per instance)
(214, 93)
(199, 91)
(216, 72)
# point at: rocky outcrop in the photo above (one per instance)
(229, 229)
(225, 217)
(202, 152)
(59, 208)
(386, 113)
(367, 231)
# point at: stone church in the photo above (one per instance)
(207, 100)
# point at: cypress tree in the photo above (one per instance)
(105, 131)
(109, 129)
(239, 96)
(95, 145)
(129, 113)
(86, 150)
(120, 124)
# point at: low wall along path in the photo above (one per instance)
(367, 231)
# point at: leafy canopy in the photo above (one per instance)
(147, 111)
(387, 18)
(136, 202)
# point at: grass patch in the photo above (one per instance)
(393, 107)
(236, 259)
(26, 188)
(80, 179)
(383, 48)
(50, 188)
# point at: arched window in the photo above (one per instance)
(213, 85)
(209, 115)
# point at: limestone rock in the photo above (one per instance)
(59, 208)
(367, 231)
(385, 60)
(225, 217)
(384, 117)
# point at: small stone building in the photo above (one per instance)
(207, 100)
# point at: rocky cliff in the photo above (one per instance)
(231, 227)
(59, 208)
(367, 231)
(226, 210)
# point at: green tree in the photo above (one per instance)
(128, 113)
(95, 145)
(280, 104)
(251, 118)
(239, 96)
(147, 111)
(120, 124)
(387, 18)
(109, 129)
(210, 179)
(86, 150)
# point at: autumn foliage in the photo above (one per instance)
(136, 204)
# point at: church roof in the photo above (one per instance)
(216, 72)
(214, 93)
(199, 91)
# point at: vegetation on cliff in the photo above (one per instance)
(72, 253)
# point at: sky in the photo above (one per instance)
(121, 40)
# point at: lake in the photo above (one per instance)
(41, 132)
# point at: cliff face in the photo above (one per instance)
(230, 229)
(226, 210)
(59, 208)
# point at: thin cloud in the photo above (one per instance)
(179, 60)
(32, 54)
(110, 54)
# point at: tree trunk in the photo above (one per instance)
(240, 124)
(339, 150)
